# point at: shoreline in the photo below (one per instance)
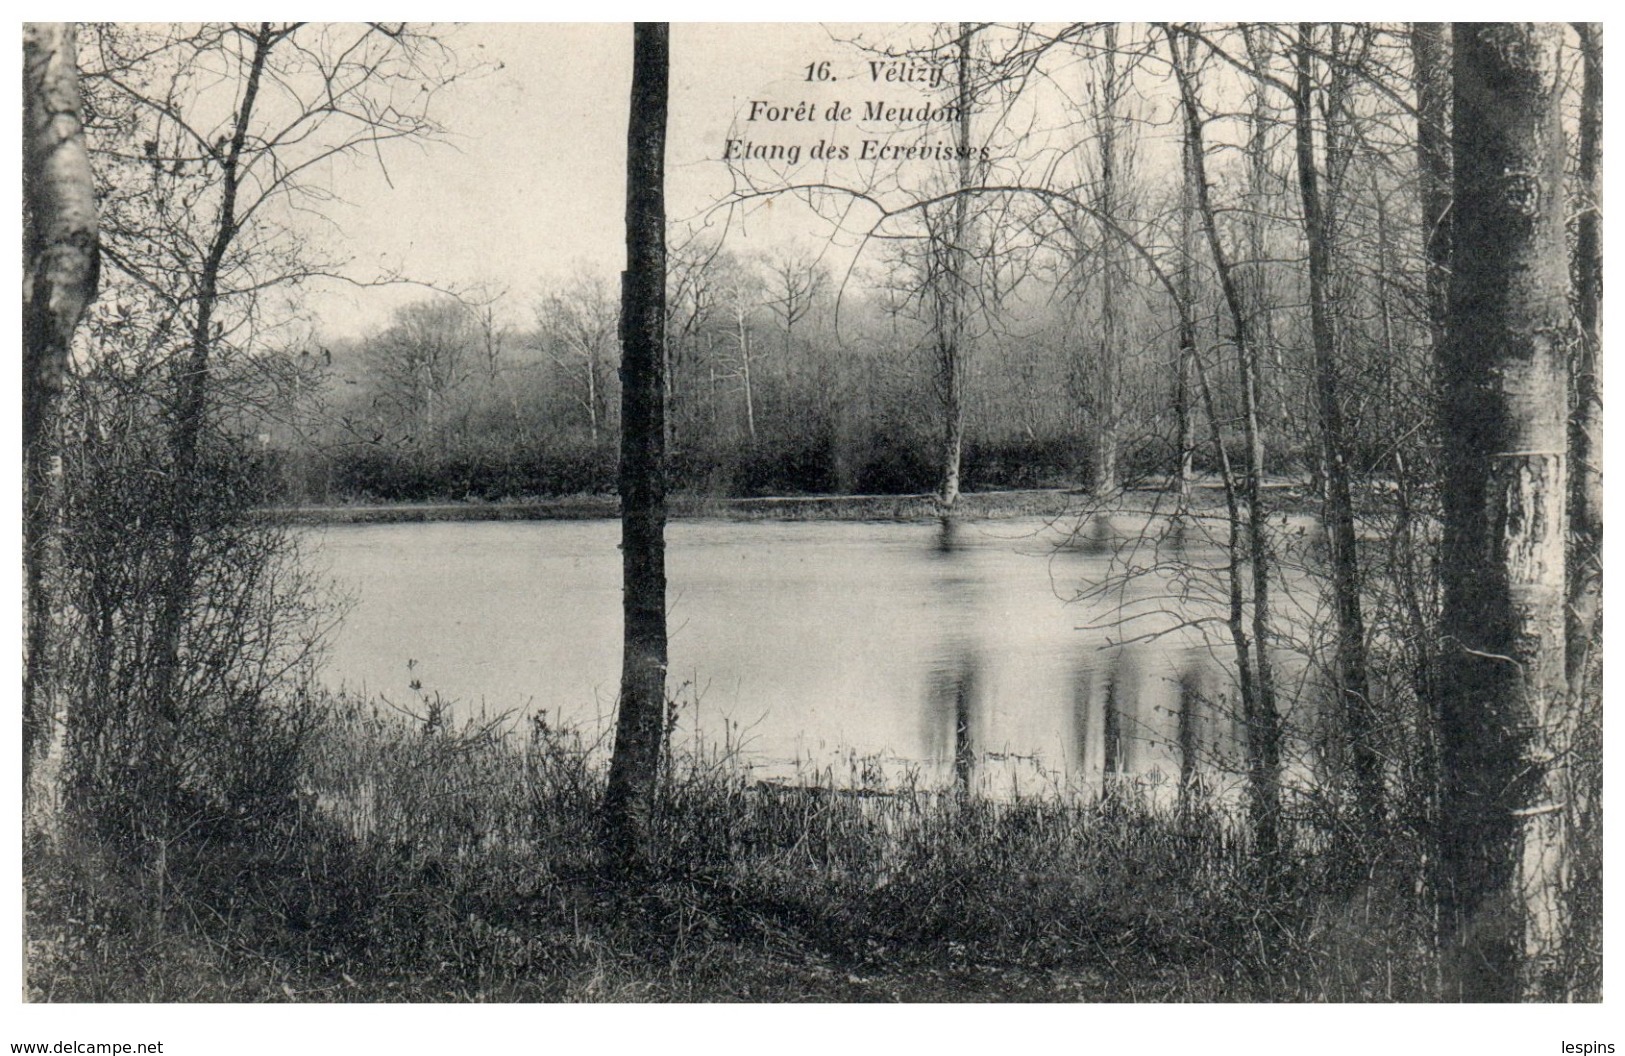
(972, 506)
(918, 507)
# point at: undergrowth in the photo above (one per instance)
(426, 860)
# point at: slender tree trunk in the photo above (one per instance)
(192, 376)
(1236, 590)
(62, 267)
(1257, 685)
(160, 770)
(1410, 563)
(1430, 53)
(592, 393)
(952, 299)
(1503, 371)
(1256, 288)
(640, 725)
(1106, 202)
(1359, 720)
(1264, 725)
(742, 336)
(1184, 409)
(1253, 335)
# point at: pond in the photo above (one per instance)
(1018, 655)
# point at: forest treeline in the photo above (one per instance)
(761, 401)
(781, 382)
(1183, 259)
(765, 395)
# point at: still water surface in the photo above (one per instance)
(808, 643)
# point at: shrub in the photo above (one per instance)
(212, 747)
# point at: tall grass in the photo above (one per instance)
(438, 860)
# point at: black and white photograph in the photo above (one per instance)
(924, 513)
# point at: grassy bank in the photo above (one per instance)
(425, 863)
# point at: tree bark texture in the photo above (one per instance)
(60, 281)
(640, 725)
(1503, 371)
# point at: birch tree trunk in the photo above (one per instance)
(951, 295)
(59, 199)
(1504, 722)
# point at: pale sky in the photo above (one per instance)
(531, 182)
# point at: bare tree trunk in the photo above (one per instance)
(192, 386)
(1503, 371)
(592, 393)
(742, 336)
(951, 299)
(1184, 408)
(160, 775)
(1360, 723)
(1431, 58)
(640, 725)
(1410, 563)
(1253, 335)
(1256, 289)
(1257, 684)
(1106, 202)
(59, 198)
